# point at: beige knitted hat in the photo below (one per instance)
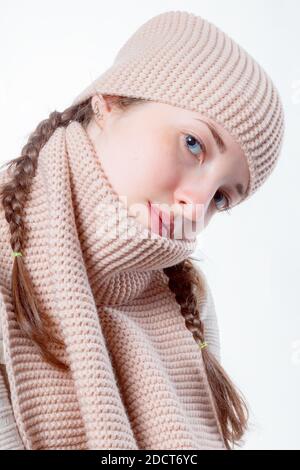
(181, 59)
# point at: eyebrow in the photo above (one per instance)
(222, 148)
(216, 136)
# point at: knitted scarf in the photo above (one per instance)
(136, 378)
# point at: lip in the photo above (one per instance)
(164, 219)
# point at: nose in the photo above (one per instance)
(195, 203)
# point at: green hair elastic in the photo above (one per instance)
(17, 253)
(203, 345)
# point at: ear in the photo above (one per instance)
(97, 105)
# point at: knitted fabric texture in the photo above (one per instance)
(137, 378)
(182, 59)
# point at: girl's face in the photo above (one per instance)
(163, 154)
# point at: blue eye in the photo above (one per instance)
(223, 197)
(194, 144)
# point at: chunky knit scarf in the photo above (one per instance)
(137, 378)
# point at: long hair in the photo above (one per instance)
(184, 280)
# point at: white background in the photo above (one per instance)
(51, 50)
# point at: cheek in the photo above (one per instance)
(142, 167)
(158, 165)
(161, 172)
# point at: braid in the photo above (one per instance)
(186, 283)
(13, 196)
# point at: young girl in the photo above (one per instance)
(110, 337)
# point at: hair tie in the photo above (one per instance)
(17, 253)
(203, 345)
